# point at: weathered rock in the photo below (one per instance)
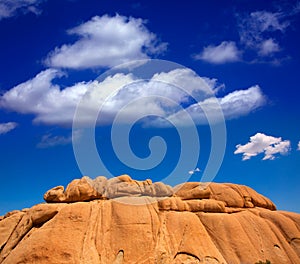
(123, 186)
(127, 221)
(55, 195)
(246, 237)
(86, 189)
(77, 190)
(192, 190)
(234, 195)
(205, 205)
(21, 229)
(42, 213)
(7, 226)
(11, 213)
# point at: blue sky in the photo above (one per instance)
(234, 63)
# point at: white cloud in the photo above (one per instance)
(261, 143)
(257, 29)
(242, 102)
(9, 8)
(6, 127)
(233, 105)
(105, 42)
(52, 105)
(225, 52)
(39, 96)
(268, 47)
(191, 172)
(298, 146)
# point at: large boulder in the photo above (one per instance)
(121, 220)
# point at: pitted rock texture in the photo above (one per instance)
(120, 220)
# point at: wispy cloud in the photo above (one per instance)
(57, 106)
(105, 42)
(261, 143)
(6, 127)
(262, 31)
(10, 8)
(256, 31)
(223, 53)
(50, 140)
(298, 146)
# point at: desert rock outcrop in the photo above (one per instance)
(121, 220)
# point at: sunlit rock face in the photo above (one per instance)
(121, 220)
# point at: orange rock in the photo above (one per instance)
(140, 223)
(7, 227)
(205, 205)
(240, 196)
(11, 213)
(55, 195)
(86, 189)
(192, 190)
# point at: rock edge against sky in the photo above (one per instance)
(121, 220)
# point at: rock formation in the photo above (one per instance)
(121, 220)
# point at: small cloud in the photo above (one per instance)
(49, 140)
(261, 143)
(106, 42)
(268, 47)
(191, 172)
(298, 146)
(223, 53)
(10, 8)
(6, 127)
